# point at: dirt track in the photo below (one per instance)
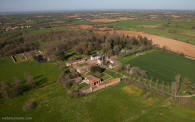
(171, 44)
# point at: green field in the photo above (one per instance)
(163, 65)
(9, 70)
(122, 102)
(176, 30)
(114, 104)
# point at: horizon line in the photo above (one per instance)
(80, 10)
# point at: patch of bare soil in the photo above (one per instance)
(150, 26)
(106, 20)
(126, 18)
(74, 16)
(103, 20)
(189, 34)
(80, 26)
(105, 29)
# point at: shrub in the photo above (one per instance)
(29, 105)
(18, 87)
(65, 80)
(138, 71)
(39, 58)
(10, 90)
(181, 54)
(74, 93)
(5, 89)
(172, 31)
(96, 69)
(29, 80)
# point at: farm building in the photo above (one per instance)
(80, 61)
(93, 81)
(87, 64)
(96, 57)
(22, 57)
(106, 84)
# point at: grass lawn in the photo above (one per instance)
(105, 76)
(163, 65)
(47, 71)
(112, 73)
(122, 102)
(114, 104)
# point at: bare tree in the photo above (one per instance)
(18, 86)
(188, 86)
(176, 85)
(138, 71)
(65, 80)
(5, 89)
(29, 80)
(128, 67)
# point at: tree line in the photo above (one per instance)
(16, 88)
(87, 42)
(179, 86)
(57, 43)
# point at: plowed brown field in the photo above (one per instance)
(106, 20)
(171, 44)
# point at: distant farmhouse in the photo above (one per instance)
(96, 57)
(22, 57)
(80, 61)
(84, 65)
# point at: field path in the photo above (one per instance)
(187, 96)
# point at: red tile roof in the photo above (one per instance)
(93, 79)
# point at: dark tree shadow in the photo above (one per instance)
(41, 81)
(68, 56)
(38, 76)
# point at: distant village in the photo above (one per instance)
(15, 27)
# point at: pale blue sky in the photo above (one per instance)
(36, 5)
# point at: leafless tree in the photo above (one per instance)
(29, 80)
(176, 85)
(17, 86)
(5, 89)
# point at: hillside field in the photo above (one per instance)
(163, 65)
(122, 102)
